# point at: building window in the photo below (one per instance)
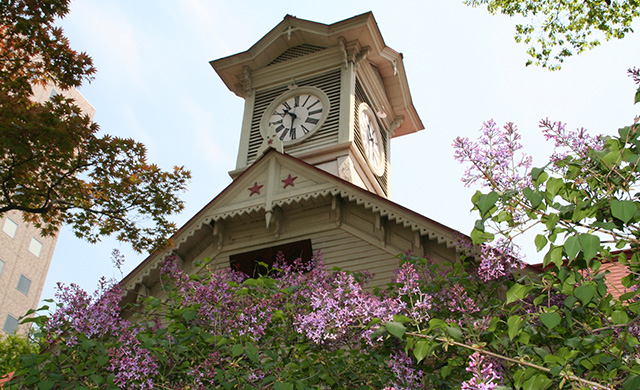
(24, 284)
(35, 247)
(248, 262)
(10, 227)
(1, 266)
(10, 324)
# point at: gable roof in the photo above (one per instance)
(261, 188)
(292, 32)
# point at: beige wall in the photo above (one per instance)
(20, 261)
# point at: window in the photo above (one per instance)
(1, 266)
(10, 324)
(24, 284)
(10, 227)
(35, 247)
(248, 262)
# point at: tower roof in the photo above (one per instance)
(293, 32)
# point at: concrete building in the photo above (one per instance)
(25, 254)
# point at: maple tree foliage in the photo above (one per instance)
(55, 167)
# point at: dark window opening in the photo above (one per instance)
(248, 262)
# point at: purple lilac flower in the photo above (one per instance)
(496, 160)
(407, 276)
(93, 316)
(132, 365)
(499, 260)
(335, 311)
(406, 376)
(485, 375)
(567, 142)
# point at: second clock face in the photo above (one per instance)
(372, 139)
(297, 115)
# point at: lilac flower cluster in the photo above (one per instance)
(407, 277)
(132, 365)
(495, 158)
(203, 373)
(485, 374)
(96, 317)
(219, 307)
(567, 142)
(634, 73)
(340, 312)
(406, 376)
(92, 315)
(499, 259)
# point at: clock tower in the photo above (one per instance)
(321, 105)
(330, 95)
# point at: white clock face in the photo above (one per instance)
(372, 139)
(297, 116)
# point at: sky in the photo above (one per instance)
(155, 84)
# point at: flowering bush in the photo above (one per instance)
(479, 323)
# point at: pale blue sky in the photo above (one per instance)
(155, 84)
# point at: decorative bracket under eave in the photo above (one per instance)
(218, 233)
(274, 220)
(397, 121)
(336, 209)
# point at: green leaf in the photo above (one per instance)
(554, 186)
(540, 241)
(534, 197)
(395, 328)
(251, 352)
(97, 379)
(189, 315)
(454, 332)
(590, 245)
(539, 175)
(401, 318)
(237, 350)
(624, 210)
(632, 383)
(514, 323)
(637, 99)
(45, 384)
(554, 255)
(446, 371)
(585, 293)
(478, 236)
(486, 202)
(550, 319)
(537, 382)
(282, 386)
(517, 292)
(572, 247)
(619, 317)
(421, 350)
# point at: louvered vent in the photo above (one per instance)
(361, 97)
(329, 83)
(295, 52)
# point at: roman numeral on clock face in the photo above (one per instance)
(296, 116)
(313, 104)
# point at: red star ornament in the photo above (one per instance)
(255, 189)
(289, 181)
